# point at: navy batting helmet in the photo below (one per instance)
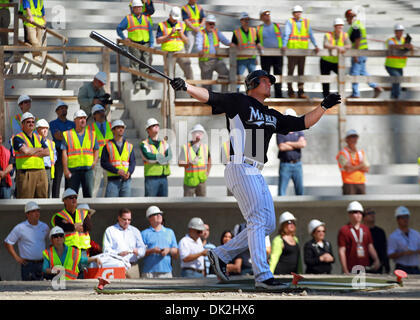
(253, 79)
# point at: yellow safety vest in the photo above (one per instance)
(174, 43)
(206, 43)
(36, 13)
(138, 31)
(196, 173)
(299, 39)
(363, 40)
(119, 161)
(51, 148)
(277, 31)
(77, 155)
(99, 137)
(155, 169)
(71, 262)
(77, 239)
(331, 38)
(4, 2)
(246, 41)
(23, 161)
(193, 15)
(396, 61)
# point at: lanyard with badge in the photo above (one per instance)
(360, 249)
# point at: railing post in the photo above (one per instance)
(106, 67)
(171, 93)
(233, 51)
(64, 66)
(119, 75)
(342, 109)
(2, 97)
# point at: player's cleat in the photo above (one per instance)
(219, 266)
(271, 284)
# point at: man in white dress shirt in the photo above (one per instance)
(191, 250)
(124, 240)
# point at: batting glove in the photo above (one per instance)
(330, 101)
(178, 84)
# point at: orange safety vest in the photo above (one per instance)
(355, 177)
(246, 41)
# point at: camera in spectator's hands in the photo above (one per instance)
(105, 99)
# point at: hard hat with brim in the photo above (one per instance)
(297, 9)
(26, 115)
(118, 123)
(85, 206)
(97, 107)
(351, 132)
(23, 98)
(151, 122)
(101, 76)
(286, 216)
(243, 15)
(176, 13)
(68, 192)
(31, 205)
(79, 114)
(42, 123)
(61, 104)
(402, 211)
(355, 206)
(56, 230)
(196, 224)
(313, 224)
(152, 210)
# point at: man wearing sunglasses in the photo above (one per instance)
(30, 149)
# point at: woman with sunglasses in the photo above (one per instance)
(59, 255)
(317, 252)
(285, 255)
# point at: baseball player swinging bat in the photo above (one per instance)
(115, 47)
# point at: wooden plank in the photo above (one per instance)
(141, 74)
(142, 48)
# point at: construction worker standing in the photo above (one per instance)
(156, 155)
(102, 129)
(269, 36)
(333, 40)
(357, 35)
(80, 155)
(297, 33)
(395, 64)
(170, 35)
(194, 18)
(24, 102)
(30, 148)
(208, 40)
(195, 158)
(34, 11)
(42, 128)
(140, 31)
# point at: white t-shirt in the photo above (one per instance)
(188, 246)
(30, 239)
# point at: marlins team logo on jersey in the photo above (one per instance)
(258, 118)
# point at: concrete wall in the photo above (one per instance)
(219, 213)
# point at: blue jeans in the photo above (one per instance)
(359, 69)
(82, 178)
(186, 273)
(246, 64)
(31, 271)
(118, 188)
(289, 171)
(395, 72)
(156, 186)
(6, 192)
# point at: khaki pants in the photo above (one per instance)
(35, 38)
(143, 56)
(98, 174)
(31, 184)
(208, 67)
(185, 64)
(198, 191)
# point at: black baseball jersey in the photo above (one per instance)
(251, 124)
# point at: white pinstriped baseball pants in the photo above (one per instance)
(256, 204)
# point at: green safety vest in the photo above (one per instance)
(206, 43)
(331, 38)
(174, 43)
(36, 13)
(71, 262)
(138, 31)
(299, 39)
(77, 239)
(277, 31)
(363, 40)
(119, 161)
(4, 2)
(196, 173)
(77, 155)
(396, 61)
(155, 169)
(99, 137)
(246, 41)
(24, 162)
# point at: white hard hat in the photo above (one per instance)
(401, 211)
(97, 107)
(290, 112)
(355, 206)
(22, 98)
(85, 206)
(137, 3)
(351, 132)
(243, 15)
(198, 127)
(42, 123)
(196, 224)
(286, 216)
(398, 27)
(176, 13)
(26, 115)
(211, 18)
(313, 224)
(118, 123)
(56, 230)
(60, 104)
(338, 21)
(68, 192)
(101, 76)
(297, 9)
(79, 113)
(264, 11)
(151, 122)
(152, 210)
(31, 205)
